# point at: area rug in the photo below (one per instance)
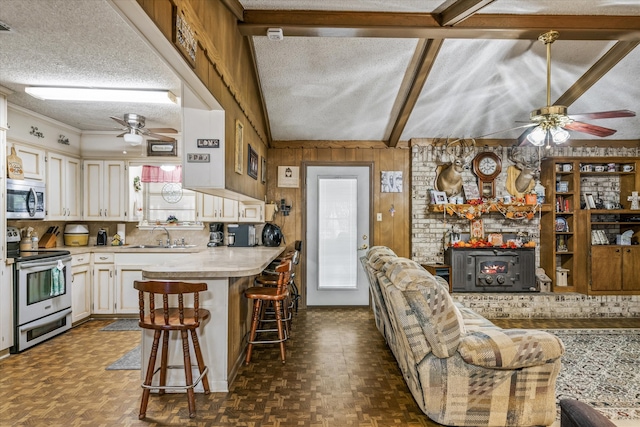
(130, 361)
(601, 367)
(122, 325)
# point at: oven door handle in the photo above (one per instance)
(45, 321)
(42, 263)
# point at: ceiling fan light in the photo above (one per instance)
(559, 135)
(537, 136)
(133, 138)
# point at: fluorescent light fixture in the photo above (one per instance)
(105, 95)
(133, 138)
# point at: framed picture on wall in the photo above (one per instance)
(439, 197)
(264, 170)
(239, 158)
(252, 163)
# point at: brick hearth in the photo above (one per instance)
(546, 305)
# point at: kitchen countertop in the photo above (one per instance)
(126, 248)
(216, 262)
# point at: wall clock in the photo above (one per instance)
(487, 166)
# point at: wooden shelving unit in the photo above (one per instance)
(590, 269)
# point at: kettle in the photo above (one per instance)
(102, 237)
(271, 235)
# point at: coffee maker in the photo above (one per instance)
(216, 235)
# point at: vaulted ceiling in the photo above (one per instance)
(359, 71)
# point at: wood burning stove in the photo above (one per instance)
(492, 269)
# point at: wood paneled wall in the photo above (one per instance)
(393, 231)
(224, 64)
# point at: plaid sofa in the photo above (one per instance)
(461, 369)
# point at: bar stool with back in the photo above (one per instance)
(279, 296)
(163, 320)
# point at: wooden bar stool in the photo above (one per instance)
(278, 295)
(162, 321)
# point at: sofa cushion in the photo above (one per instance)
(436, 315)
(403, 272)
(509, 348)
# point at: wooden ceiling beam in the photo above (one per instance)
(332, 144)
(596, 72)
(427, 26)
(461, 10)
(426, 59)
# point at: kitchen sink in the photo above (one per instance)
(159, 247)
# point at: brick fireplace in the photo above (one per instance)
(492, 269)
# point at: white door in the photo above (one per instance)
(337, 234)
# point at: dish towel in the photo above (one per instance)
(57, 280)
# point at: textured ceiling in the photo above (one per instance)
(341, 86)
(347, 88)
(80, 43)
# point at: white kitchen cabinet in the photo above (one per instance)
(64, 176)
(103, 283)
(128, 268)
(215, 208)
(105, 190)
(6, 306)
(33, 161)
(251, 212)
(126, 295)
(80, 287)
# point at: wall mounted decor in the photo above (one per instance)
(183, 38)
(252, 163)
(391, 182)
(288, 176)
(264, 170)
(239, 160)
(162, 148)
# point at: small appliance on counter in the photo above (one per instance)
(271, 235)
(101, 240)
(216, 235)
(76, 235)
(241, 235)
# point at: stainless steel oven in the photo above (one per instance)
(42, 292)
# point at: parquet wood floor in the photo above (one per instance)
(339, 372)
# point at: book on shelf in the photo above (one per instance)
(599, 237)
(589, 201)
(562, 204)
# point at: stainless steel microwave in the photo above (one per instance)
(25, 199)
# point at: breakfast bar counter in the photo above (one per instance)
(228, 272)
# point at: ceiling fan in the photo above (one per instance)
(550, 123)
(133, 124)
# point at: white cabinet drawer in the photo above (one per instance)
(80, 259)
(103, 258)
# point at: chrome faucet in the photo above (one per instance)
(166, 231)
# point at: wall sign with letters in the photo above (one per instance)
(208, 143)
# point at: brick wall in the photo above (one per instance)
(428, 229)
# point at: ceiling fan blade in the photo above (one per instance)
(120, 121)
(522, 139)
(506, 130)
(590, 129)
(603, 115)
(162, 130)
(122, 134)
(160, 137)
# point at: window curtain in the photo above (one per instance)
(157, 174)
